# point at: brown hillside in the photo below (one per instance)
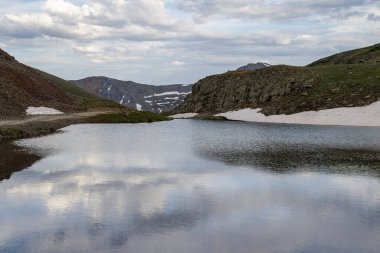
(22, 86)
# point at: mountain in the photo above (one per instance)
(140, 96)
(253, 66)
(367, 55)
(22, 86)
(284, 89)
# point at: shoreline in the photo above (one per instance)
(11, 130)
(364, 116)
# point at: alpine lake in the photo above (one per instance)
(189, 186)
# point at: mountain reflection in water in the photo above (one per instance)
(13, 159)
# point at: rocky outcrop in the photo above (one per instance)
(348, 79)
(285, 89)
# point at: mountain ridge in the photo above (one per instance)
(146, 97)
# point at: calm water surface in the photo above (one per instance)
(195, 186)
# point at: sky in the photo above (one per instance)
(180, 41)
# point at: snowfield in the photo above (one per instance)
(352, 116)
(42, 111)
(167, 94)
(183, 115)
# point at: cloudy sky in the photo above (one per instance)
(180, 41)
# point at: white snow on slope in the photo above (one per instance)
(353, 116)
(42, 111)
(122, 100)
(138, 107)
(183, 115)
(171, 98)
(167, 93)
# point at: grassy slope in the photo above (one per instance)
(86, 100)
(367, 55)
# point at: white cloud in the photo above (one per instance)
(177, 63)
(124, 38)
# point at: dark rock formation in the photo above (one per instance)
(285, 89)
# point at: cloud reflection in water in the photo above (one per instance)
(193, 186)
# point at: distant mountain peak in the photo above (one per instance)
(254, 66)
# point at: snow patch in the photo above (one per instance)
(184, 115)
(171, 98)
(167, 93)
(138, 107)
(122, 100)
(353, 116)
(42, 111)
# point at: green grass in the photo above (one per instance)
(367, 55)
(346, 77)
(135, 117)
(88, 101)
(210, 117)
(64, 85)
(10, 132)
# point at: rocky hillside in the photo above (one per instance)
(254, 66)
(139, 96)
(22, 86)
(286, 89)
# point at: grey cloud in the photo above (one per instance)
(290, 9)
(373, 17)
(16, 30)
(144, 35)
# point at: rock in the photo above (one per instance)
(282, 90)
